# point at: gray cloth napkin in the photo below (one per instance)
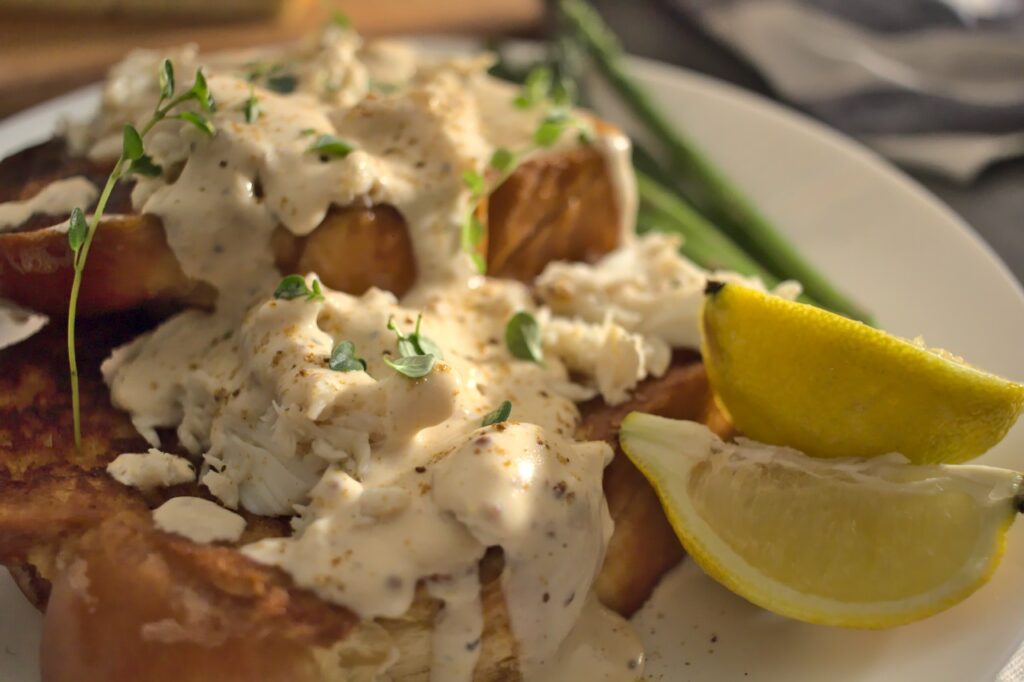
(936, 85)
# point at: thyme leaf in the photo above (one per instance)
(294, 286)
(412, 366)
(331, 146)
(77, 230)
(343, 358)
(499, 415)
(199, 121)
(252, 109)
(133, 159)
(144, 165)
(522, 336)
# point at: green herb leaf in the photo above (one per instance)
(317, 293)
(475, 182)
(144, 165)
(294, 286)
(522, 336)
(284, 84)
(412, 366)
(411, 345)
(499, 415)
(502, 159)
(201, 92)
(306, 132)
(585, 136)
(473, 232)
(252, 109)
(343, 358)
(535, 88)
(340, 19)
(479, 262)
(424, 345)
(199, 121)
(563, 92)
(77, 230)
(331, 146)
(383, 88)
(551, 128)
(166, 80)
(131, 144)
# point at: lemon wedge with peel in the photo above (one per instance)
(793, 374)
(865, 543)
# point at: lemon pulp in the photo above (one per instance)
(867, 543)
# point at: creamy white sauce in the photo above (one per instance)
(153, 469)
(391, 482)
(645, 287)
(60, 196)
(198, 520)
(602, 647)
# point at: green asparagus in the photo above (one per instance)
(701, 183)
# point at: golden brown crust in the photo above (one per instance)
(222, 616)
(561, 206)
(352, 250)
(644, 546)
(557, 207)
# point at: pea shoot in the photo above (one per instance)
(133, 161)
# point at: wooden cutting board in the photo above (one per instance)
(44, 55)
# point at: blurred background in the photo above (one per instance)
(935, 85)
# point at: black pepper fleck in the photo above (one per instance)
(421, 470)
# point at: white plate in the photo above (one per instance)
(900, 253)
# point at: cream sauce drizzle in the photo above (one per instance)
(393, 482)
(58, 197)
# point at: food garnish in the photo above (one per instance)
(866, 543)
(252, 109)
(793, 374)
(499, 415)
(343, 358)
(415, 343)
(331, 146)
(538, 90)
(133, 159)
(412, 366)
(522, 336)
(417, 353)
(294, 286)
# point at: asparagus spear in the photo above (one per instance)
(703, 184)
(661, 210)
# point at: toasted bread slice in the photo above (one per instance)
(561, 206)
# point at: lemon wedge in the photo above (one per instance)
(865, 543)
(793, 374)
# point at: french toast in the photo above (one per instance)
(400, 504)
(556, 207)
(58, 506)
